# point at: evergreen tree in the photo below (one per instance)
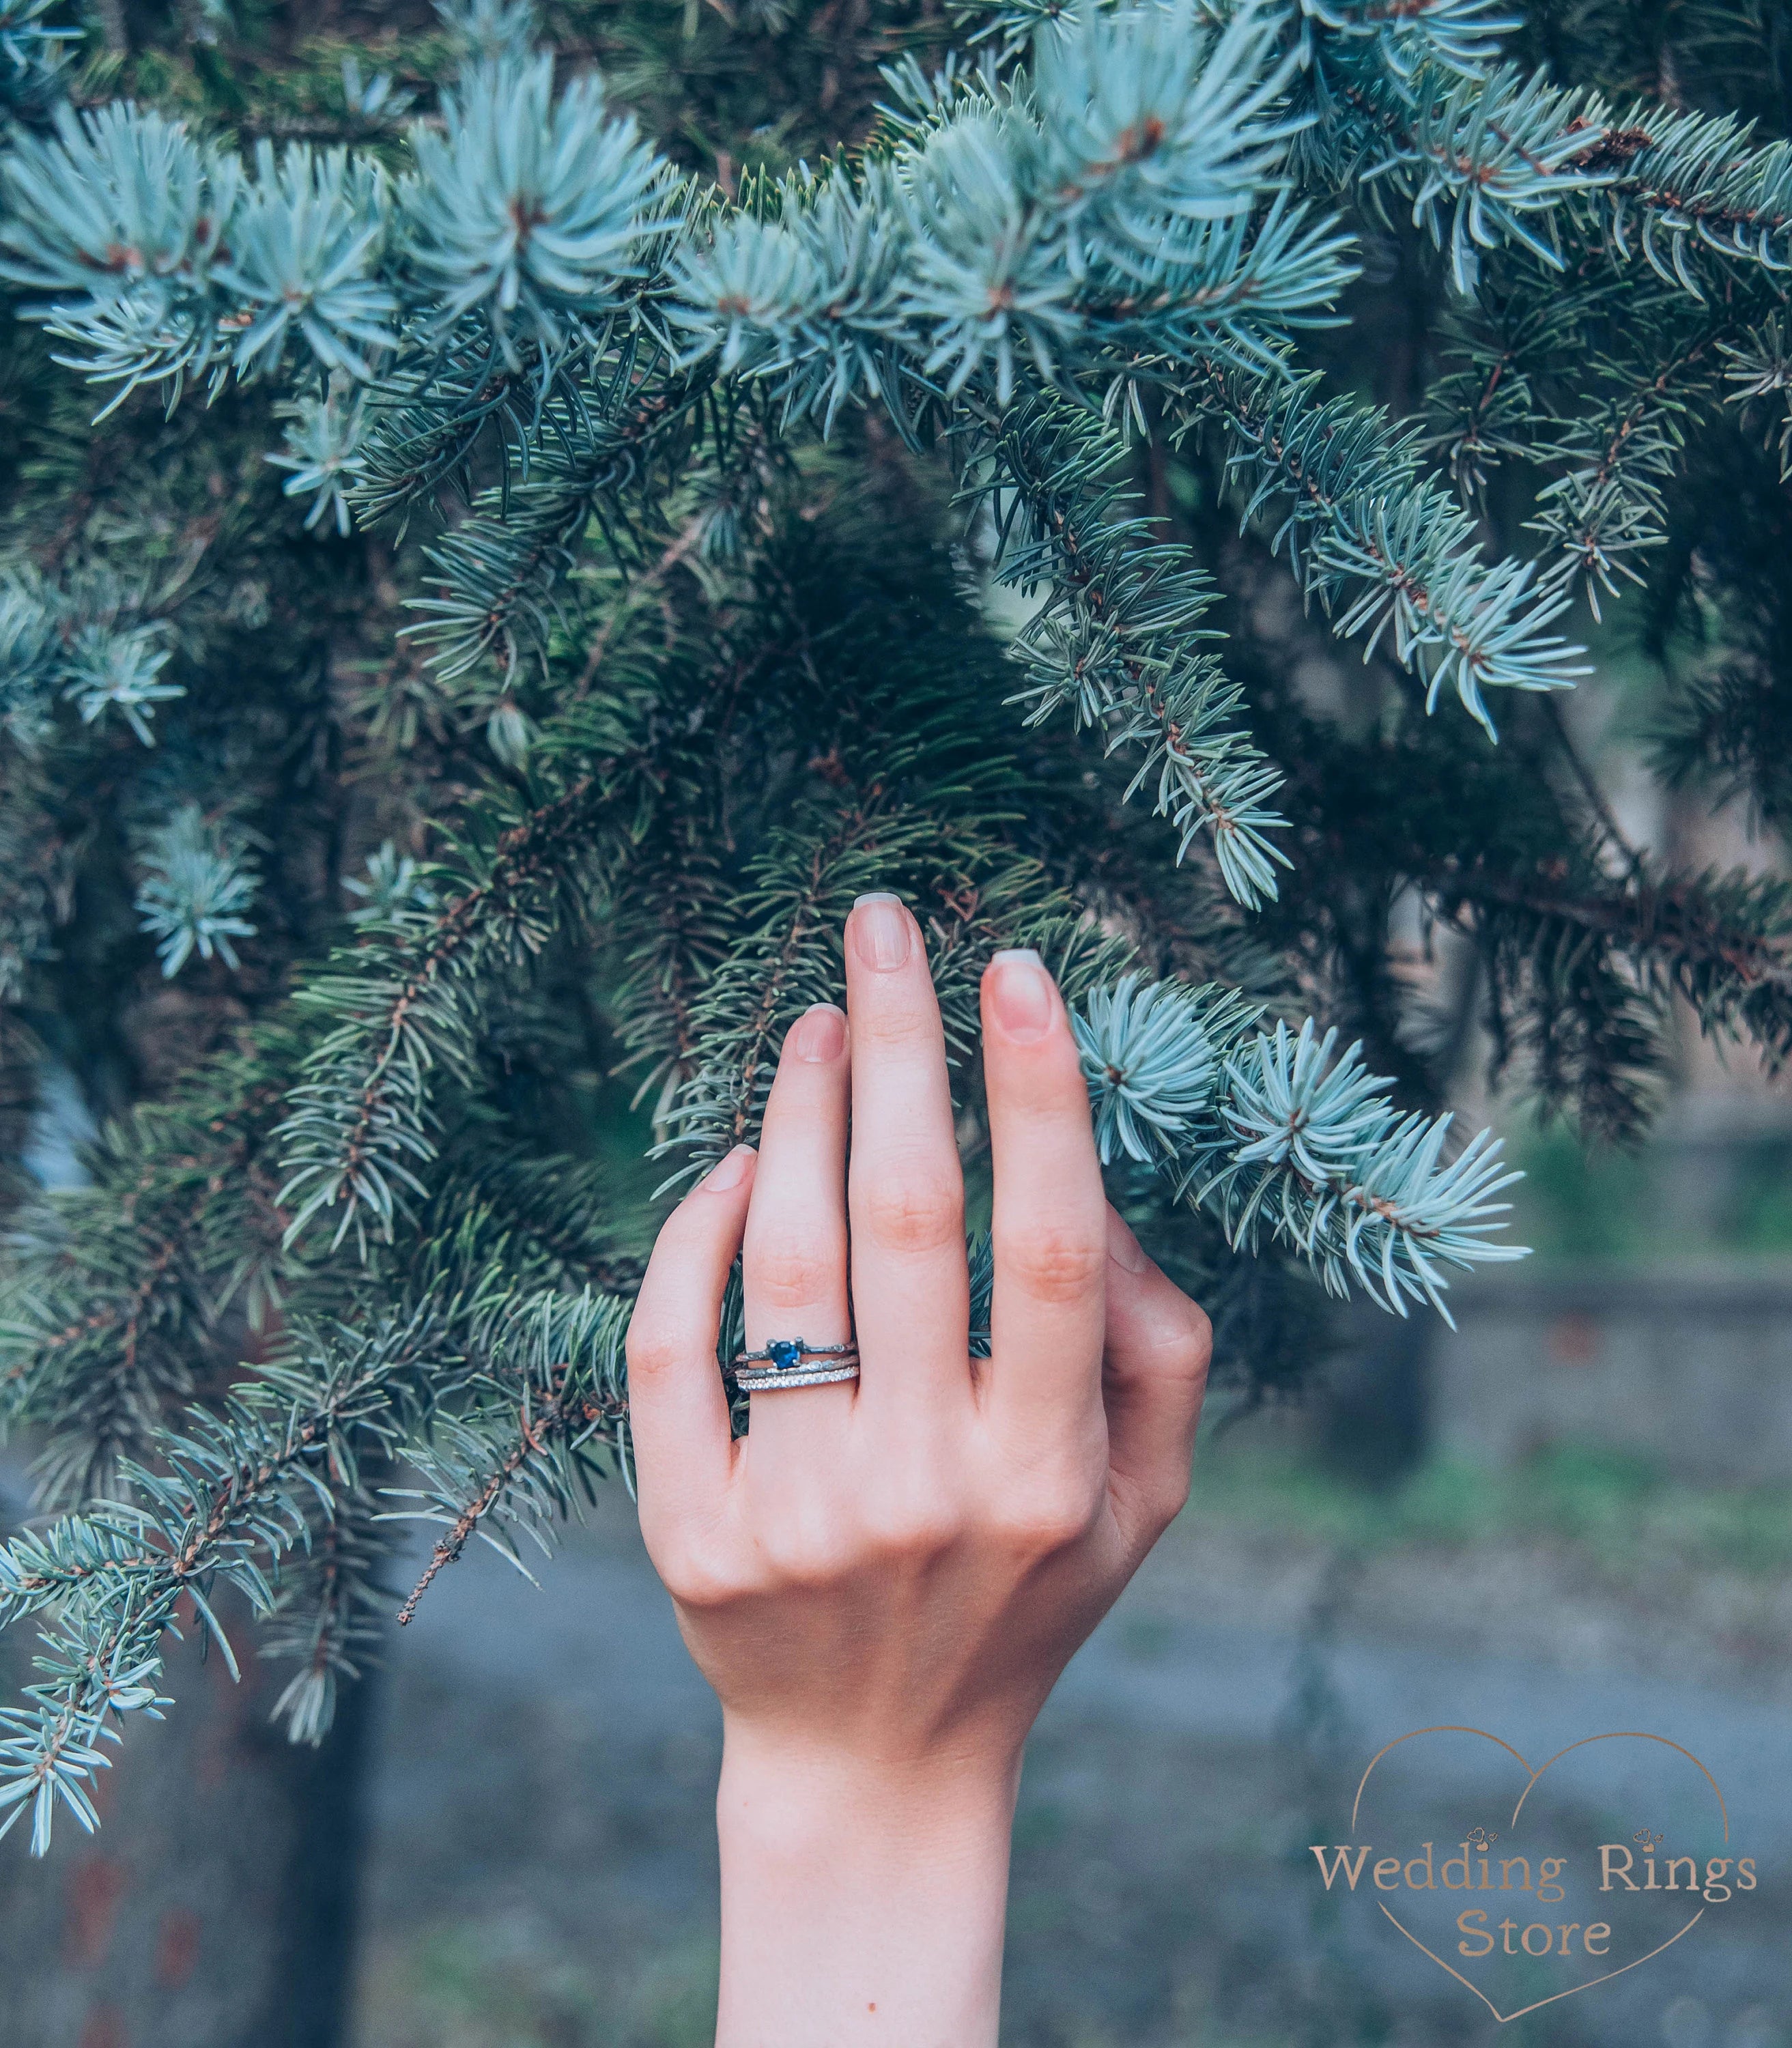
(491, 575)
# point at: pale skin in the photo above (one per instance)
(882, 1580)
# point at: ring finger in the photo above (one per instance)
(794, 1264)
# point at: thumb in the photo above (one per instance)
(1154, 1375)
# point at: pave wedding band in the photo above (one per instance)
(787, 1362)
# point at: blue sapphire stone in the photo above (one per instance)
(785, 1352)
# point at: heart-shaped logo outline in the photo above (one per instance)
(1614, 1735)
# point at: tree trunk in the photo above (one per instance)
(1375, 1408)
(215, 1907)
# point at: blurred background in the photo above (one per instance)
(1573, 1512)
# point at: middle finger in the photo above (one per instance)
(905, 1192)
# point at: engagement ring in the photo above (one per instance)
(787, 1362)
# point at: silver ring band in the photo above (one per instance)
(792, 1362)
(771, 1381)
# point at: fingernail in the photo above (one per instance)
(819, 1034)
(1021, 994)
(880, 931)
(1124, 1248)
(729, 1173)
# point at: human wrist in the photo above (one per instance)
(810, 1772)
(863, 1896)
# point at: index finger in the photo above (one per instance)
(678, 1408)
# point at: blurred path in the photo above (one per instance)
(599, 1638)
(544, 1802)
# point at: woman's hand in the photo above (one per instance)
(883, 1580)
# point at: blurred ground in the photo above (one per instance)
(543, 1866)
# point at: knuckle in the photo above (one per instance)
(802, 1540)
(694, 1575)
(652, 1352)
(912, 1521)
(794, 1275)
(1186, 1347)
(1174, 1497)
(1055, 1263)
(798, 1557)
(1045, 1517)
(906, 1211)
(1161, 1500)
(897, 1016)
(1175, 1345)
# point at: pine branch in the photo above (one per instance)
(236, 1493)
(113, 1304)
(197, 883)
(1621, 451)
(1486, 155)
(1117, 640)
(678, 928)
(547, 1217)
(967, 890)
(545, 1421)
(33, 60)
(325, 1615)
(1380, 546)
(1273, 1135)
(85, 645)
(273, 1472)
(909, 797)
(403, 1006)
(598, 456)
(1723, 942)
(404, 1000)
(1584, 957)
(428, 419)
